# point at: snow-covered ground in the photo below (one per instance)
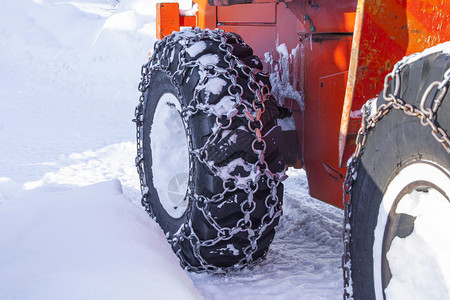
(71, 225)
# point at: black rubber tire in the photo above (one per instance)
(227, 254)
(396, 141)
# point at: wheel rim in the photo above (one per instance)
(410, 249)
(170, 156)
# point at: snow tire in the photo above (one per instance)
(234, 194)
(396, 142)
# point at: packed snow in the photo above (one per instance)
(170, 155)
(283, 86)
(428, 275)
(71, 224)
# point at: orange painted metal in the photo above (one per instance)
(167, 19)
(347, 137)
(385, 31)
(206, 15)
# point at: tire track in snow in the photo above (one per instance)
(303, 261)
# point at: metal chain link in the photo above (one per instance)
(251, 112)
(426, 115)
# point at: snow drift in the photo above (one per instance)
(68, 87)
(86, 243)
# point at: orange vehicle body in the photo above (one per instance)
(346, 49)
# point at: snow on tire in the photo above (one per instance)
(401, 198)
(207, 118)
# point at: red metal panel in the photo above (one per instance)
(188, 21)
(331, 16)
(252, 36)
(325, 16)
(325, 178)
(247, 13)
(287, 27)
(326, 76)
(234, 2)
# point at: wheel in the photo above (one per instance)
(208, 158)
(400, 201)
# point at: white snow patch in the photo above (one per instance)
(228, 249)
(89, 167)
(101, 9)
(233, 250)
(170, 155)
(208, 59)
(215, 85)
(283, 83)
(124, 21)
(211, 85)
(225, 107)
(430, 213)
(196, 48)
(424, 253)
(8, 189)
(189, 12)
(232, 139)
(287, 123)
(282, 50)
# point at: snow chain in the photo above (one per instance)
(369, 120)
(223, 122)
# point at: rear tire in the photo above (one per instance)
(233, 197)
(401, 159)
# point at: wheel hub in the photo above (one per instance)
(170, 156)
(411, 237)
